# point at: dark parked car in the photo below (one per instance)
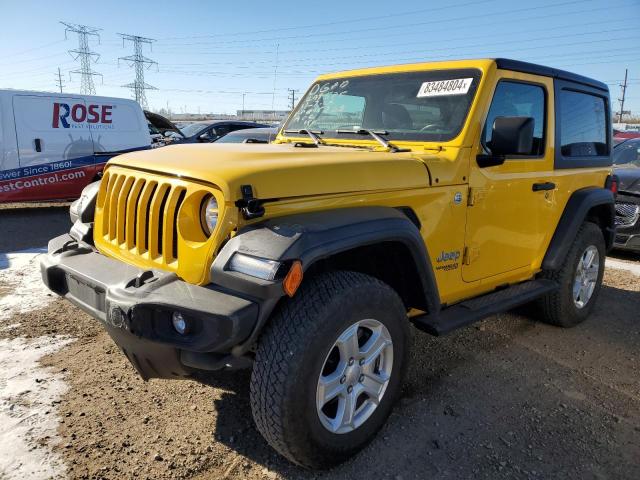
(251, 135)
(212, 131)
(626, 159)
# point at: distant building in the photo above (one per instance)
(627, 127)
(263, 115)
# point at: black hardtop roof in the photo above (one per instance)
(532, 68)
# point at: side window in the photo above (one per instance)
(515, 99)
(220, 131)
(583, 125)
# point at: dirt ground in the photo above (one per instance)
(506, 398)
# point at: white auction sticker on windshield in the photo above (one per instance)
(440, 88)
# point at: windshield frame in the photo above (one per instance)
(420, 138)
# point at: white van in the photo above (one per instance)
(53, 145)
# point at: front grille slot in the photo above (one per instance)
(627, 214)
(141, 215)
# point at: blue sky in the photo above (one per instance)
(210, 53)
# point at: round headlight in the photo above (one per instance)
(209, 214)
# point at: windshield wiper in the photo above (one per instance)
(376, 135)
(313, 134)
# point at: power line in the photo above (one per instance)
(330, 24)
(140, 63)
(404, 26)
(59, 80)
(305, 73)
(465, 38)
(22, 52)
(84, 54)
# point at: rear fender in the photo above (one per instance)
(596, 204)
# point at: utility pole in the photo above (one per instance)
(140, 63)
(275, 78)
(624, 91)
(292, 97)
(243, 95)
(59, 80)
(84, 54)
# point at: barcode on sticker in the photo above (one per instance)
(440, 88)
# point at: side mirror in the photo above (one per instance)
(509, 136)
(512, 136)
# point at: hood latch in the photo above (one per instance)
(250, 206)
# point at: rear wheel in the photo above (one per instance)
(579, 278)
(329, 367)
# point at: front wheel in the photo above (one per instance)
(329, 367)
(579, 279)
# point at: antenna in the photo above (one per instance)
(140, 63)
(84, 54)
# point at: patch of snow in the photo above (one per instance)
(27, 413)
(619, 265)
(21, 286)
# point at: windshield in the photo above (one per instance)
(419, 106)
(627, 153)
(192, 129)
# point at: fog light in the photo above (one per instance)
(179, 323)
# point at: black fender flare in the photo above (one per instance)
(574, 214)
(310, 237)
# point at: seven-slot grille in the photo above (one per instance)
(136, 215)
(627, 214)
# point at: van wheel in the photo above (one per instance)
(329, 367)
(580, 280)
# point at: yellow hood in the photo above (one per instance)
(282, 171)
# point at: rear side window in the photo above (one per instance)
(583, 125)
(517, 99)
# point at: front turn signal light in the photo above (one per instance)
(293, 279)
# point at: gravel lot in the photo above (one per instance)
(506, 398)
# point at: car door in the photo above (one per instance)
(510, 205)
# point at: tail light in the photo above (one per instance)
(612, 184)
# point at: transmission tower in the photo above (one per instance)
(140, 63)
(84, 54)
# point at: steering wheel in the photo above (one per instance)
(427, 127)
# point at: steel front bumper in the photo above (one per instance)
(136, 306)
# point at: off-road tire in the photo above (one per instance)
(291, 354)
(558, 308)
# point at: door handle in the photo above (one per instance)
(537, 187)
(38, 143)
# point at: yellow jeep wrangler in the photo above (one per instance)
(435, 194)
